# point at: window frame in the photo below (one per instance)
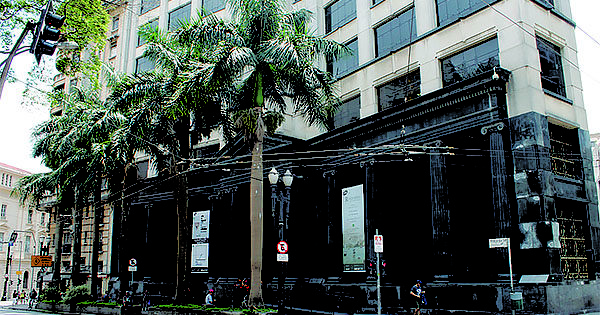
(350, 62)
(473, 6)
(138, 62)
(330, 26)
(3, 211)
(395, 45)
(408, 94)
(218, 8)
(475, 68)
(339, 120)
(178, 19)
(153, 4)
(552, 57)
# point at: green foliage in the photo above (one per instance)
(14, 14)
(50, 294)
(95, 303)
(77, 294)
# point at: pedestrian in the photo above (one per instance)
(22, 297)
(15, 296)
(145, 301)
(127, 299)
(416, 292)
(209, 300)
(32, 298)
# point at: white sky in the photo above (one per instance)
(17, 121)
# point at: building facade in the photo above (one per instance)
(29, 226)
(462, 121)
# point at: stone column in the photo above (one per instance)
(500, 198)
(440, 212)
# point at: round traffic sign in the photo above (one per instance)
(132, 262)
(282, 247)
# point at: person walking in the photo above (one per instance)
(209, 300)
(416, 292)
(32, 298)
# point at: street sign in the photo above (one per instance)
(379, 243)
(132, 268)
(132, 262)
(282, 257)
(282, 247)
(498, 242)
(19, 272)
(41, 261)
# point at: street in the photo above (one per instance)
(7, 308)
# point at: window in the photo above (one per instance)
(3, 212)
(395, 33)
(345, 64)
(179, 15)
(470, 62)
(43, 218)
(115, 23)
(144, 64)
(142, 170)
(551, 67)
(10, 181)
(113, 50)
(27, 245)
(2, 179)
(214, 5)
(377, 1)
(451, 10)
(30, 216)
(551, 2)
(399, 91)
(1, 241)
(348, 112)
(153, 25)
(148, 5)
(565, 153)
(339, 13)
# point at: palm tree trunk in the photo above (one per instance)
(256, 202)
(98, 209)
(58, 235)
(183, 221)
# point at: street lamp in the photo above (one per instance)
(281, 219)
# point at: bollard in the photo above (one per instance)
(516, 300)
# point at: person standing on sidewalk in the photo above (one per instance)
(415, 293)
(32, 298)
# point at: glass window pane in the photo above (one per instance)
(551, 67)
(470, 62)
(339, 13)
(214, 5)
(451, 10)
(348, 112)
(153, 25)
(345, 64)
(178, 16)
(143, 64)
(395, 33)
(147, 5)
(400, 90)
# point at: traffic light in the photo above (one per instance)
(47, 32)
(13, 238)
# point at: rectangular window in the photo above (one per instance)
(377, 1)
(551, 67)
(30, 216)
(148, 5)
(3, 212)
(470, 62)
(345, 64)
(399, 91)
(27, 245)
(565, 153)
(43, 218)
(395, 33)
(113, 50)
(339, 13)
(10, 181)
(348, 112)
(153, 25)
(115, 23)
(144, 64)
(1, 241)
(214, 5)
(178, 16)
(451, 10)
(142, 169)
(2, 179)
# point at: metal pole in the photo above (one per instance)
(20, 258)
(512, 289)
(28, 27)
(378, 281)
(6, 273)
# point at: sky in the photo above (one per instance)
(17, 121)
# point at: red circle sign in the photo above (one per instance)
(282, 247)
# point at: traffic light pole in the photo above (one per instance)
(29, 27)
(8, 261)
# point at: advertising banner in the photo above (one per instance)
(353, 229)
(200, 237)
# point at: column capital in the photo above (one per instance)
(492, 128)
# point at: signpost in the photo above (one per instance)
(378, 249)
(132, 268)
(41, 261)
(500, 243)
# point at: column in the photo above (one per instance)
(440, 212)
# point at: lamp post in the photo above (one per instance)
(13, 238)
(280, 219)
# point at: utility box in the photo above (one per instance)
(516, 300)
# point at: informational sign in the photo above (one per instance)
(378, 243)
(498, 242)
(200, 241)
(41, 261)
(353, 229)
(132, 268)
(132, 262)
(282, 257)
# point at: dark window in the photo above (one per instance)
(470, 62)
(395, 33)
(179, 15)
(399, 91)
(152, 24)
(551, 67)
(345, 64)
(115, 23)
(144, 64)
(549, 1)
(564, 151)
(214, 5)
(339, 13)
(452, 10)
(148, 5)
(348, 112)
(377, 1)
(142, 169)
